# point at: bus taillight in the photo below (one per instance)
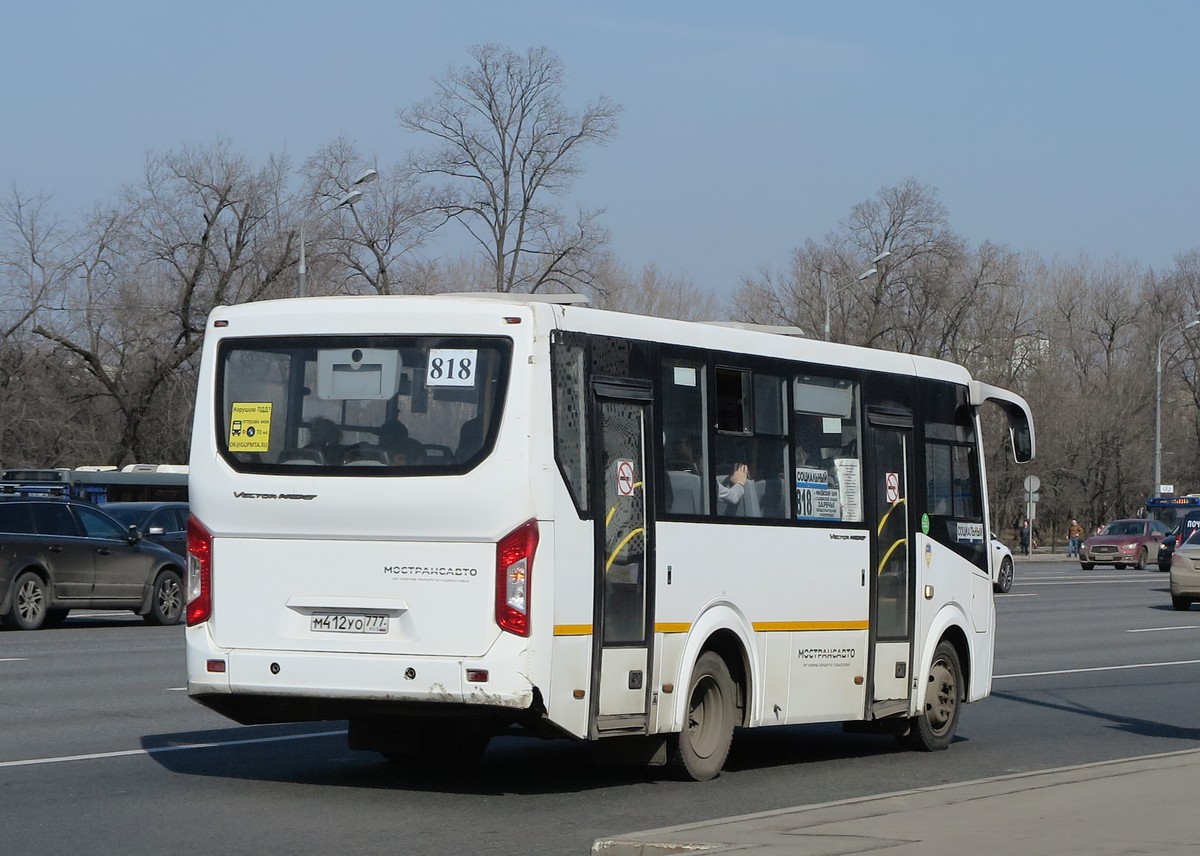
(514, 567)
(199, 573)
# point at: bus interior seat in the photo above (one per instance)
(366, 455)
(439, 455)
(773, 499)
(686, 493)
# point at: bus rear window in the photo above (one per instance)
(367, 405)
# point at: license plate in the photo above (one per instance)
(340, 622)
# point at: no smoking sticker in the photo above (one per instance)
(892, 490)
(625, 477)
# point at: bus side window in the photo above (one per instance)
(684, 457)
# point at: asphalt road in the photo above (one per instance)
(101, 751)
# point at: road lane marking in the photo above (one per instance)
(156, 750)
(1160, 629)
(13, 659)
(1097, 669)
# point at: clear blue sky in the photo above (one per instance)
(1055, 127)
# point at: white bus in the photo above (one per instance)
(453, 517)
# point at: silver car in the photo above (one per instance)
(1185, 572)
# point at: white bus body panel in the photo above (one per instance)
(802, 592)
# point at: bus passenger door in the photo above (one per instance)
(623, 565)
(891, 551)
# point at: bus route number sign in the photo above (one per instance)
(451, 367)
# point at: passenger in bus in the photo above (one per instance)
(681, 455)
(470, 438)
(326, 437)
(391, 435)
(732, 488)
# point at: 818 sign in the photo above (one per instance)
(451, 367)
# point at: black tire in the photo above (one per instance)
(933, 729)
(1087, 566)
(699, 751)
(166, 601)
(1143, 555)
(1182, 604)
(1004, 579)
(31, 601)
(1120, 566)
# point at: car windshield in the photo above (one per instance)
(1125, 527)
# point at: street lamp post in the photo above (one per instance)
(1170, 331)
(349, 199)
(834, 292)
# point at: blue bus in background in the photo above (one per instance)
(1181, 511)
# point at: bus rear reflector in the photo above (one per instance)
(514, 569)
(199, 573)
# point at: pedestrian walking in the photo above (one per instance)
(1026, 536)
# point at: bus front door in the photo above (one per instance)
(892, 583)
(623, 571)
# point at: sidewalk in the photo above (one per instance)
(1135, 805)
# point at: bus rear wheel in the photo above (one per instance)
(933, 728)
(699, 750)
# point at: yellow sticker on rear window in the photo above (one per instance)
(250, 427)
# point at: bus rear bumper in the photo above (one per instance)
(257, 687)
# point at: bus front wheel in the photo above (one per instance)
(699, 750)
(933, 728)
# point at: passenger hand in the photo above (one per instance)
(739, 474)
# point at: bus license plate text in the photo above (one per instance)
(336, 622)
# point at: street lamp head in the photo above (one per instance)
(883, 255)
(349, 199)
(866, 274)
(367, 176)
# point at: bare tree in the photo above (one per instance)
(196, 233)
(37, 256)
(652, 292)
(505, 142)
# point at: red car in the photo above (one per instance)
(1123, 542)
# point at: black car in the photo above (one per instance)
(164, 523)
(57, 555)
(1166, 549)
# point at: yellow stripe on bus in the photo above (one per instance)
(759, 627)
(572, 630)
(775, 626)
